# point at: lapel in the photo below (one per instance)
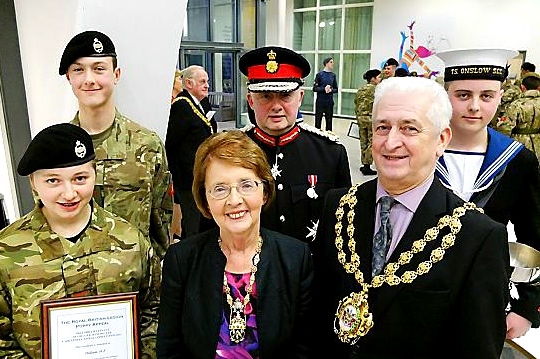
(433, 206)
(363, 226)
(211, 289)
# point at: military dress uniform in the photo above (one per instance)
(306, 163)
(523, 117)
(132, 179)
(363, 107)
(36, 264)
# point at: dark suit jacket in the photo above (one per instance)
(517, 199)
(457, 310)
(192, 297)
(185, 132)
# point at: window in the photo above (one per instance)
(340, 29)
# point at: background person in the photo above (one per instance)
(132, 179)
(429, 293)
(325, 86)
(188, 127)
(363, 103)
(488, 168)
(68, 246)
(239, 274)
(389, 68)
(305, 161)
(523, 115)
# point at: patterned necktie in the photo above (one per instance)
(383, 238)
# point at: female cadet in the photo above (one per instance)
(67, 246)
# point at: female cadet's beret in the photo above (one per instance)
(57, 146)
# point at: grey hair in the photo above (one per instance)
(190, 71)
(440, 108)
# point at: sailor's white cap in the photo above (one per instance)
(476, 64)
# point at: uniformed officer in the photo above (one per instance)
(523, 115)
(488, 168)
(363, 103)
(306, 162)
(132, 175)
(68, 246)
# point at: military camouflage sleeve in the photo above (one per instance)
(9, 347)
(149, 300)
(162, 203)
(508, 122)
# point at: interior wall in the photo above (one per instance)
(147, 38)
(456, 24)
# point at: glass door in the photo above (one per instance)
(221, 63)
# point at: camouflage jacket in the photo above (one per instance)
(132, 179)
(523, 120)
(499, 121)
(37, 264)
(363, 102)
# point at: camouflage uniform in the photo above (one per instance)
(132, 179)
(523, 118)
(363, 106)
(36, 264)
(509, 95)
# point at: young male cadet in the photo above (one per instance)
(132, 175)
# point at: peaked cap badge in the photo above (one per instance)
(271, 66)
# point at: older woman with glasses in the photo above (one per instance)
(238, 291)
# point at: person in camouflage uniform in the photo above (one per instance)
(68, 246)
(132, 172)
(523, 115)
(363, 103)
(510, 93)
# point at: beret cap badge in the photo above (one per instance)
(98, 46)
(272, 65)
(80, 149)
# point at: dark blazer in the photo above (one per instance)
(192, 297)
(517, 199)
(456, 310)
(185, 132)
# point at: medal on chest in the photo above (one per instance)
(311, 193)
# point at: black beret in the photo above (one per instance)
(401, 72)
(57, 146)
(391, 62)
(274, 69)
(86, 44)
(369, 74)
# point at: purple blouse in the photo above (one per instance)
(249, 347)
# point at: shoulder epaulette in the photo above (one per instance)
(327, 134)
(247, 127)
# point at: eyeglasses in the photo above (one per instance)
(245, 188)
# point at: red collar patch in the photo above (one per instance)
(281, 140)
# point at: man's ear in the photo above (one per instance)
(444, 139)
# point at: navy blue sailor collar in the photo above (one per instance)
(501, 150)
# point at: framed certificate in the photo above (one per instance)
(96, 327)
